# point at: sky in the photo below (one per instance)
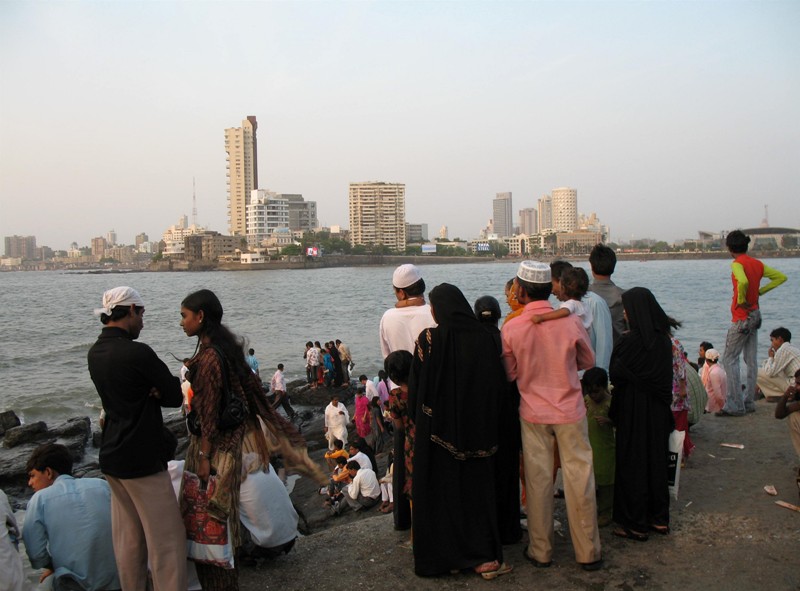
(667, 117)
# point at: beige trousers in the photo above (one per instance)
(575, 454)
(794, 430)
(772, 386)
(146, 524)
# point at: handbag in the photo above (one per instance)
(207, 540)
(232, 412)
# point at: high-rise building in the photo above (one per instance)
(266, 212)
(378, 214)
(528, 221)
(241, 172)
(545, 207)
(99, 246)
(565, 209)
(302, 214)
(443, 232)
(503, 215)
(416, 232)
(21, 247)
(111, 238)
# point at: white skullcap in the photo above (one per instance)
(712, 354)
(534, 272)
(119, 296)
(405, 276)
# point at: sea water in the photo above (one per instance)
(47, 323)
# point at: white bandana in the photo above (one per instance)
(119, 296)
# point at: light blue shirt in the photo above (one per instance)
(601, 332)
(68, 528)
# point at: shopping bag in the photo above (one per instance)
(207, 539)
(674, 459)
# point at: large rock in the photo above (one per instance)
(76, 431)
(24, 434)
(8, 420)
(20, 442)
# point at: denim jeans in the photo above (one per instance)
(742, 339)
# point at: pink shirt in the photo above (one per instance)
(544, 359)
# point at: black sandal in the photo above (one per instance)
(624, 532)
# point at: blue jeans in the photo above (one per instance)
(742, 339)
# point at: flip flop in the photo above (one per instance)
(664, 530)
(624, 532)
(504, 569)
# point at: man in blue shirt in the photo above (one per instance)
(67, 528)
(252, 361)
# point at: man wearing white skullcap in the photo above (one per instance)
(400, 326)
(133, 384)
(544, 359)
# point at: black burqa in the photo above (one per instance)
(641, 373)
(510, 442)
(455, 389)
(338, 375)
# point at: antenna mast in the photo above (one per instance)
(194, 204)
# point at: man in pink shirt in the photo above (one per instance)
(544, 359)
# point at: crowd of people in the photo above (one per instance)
(475, 420)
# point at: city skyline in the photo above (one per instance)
(665, 124)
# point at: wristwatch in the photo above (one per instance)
(203, 454)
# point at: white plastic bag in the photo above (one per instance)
(674, 459)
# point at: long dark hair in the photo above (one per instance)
(232, 346)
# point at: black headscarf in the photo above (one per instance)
(643, 355)
(645, 315)
(460, 380)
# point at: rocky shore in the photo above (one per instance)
(727, 532)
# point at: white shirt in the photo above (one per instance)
(363, 461)
(278, 382)
(784, 363)
(581, 311)
(372, 391)
(364, 482)
(266, 509)
(312, 356)
(400, 328)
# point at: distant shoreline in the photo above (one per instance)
(335, 261)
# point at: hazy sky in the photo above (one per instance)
(667, 117)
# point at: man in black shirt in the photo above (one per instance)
(133, 384)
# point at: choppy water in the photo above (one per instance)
(47, 323)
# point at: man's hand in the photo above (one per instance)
(771, 352)
(45, 573)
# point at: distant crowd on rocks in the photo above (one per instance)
(475, 423)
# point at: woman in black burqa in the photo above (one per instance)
(641, 372)
(455, 387)
(487, 310)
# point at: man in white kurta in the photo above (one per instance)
(336, 419)
(400, 326)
